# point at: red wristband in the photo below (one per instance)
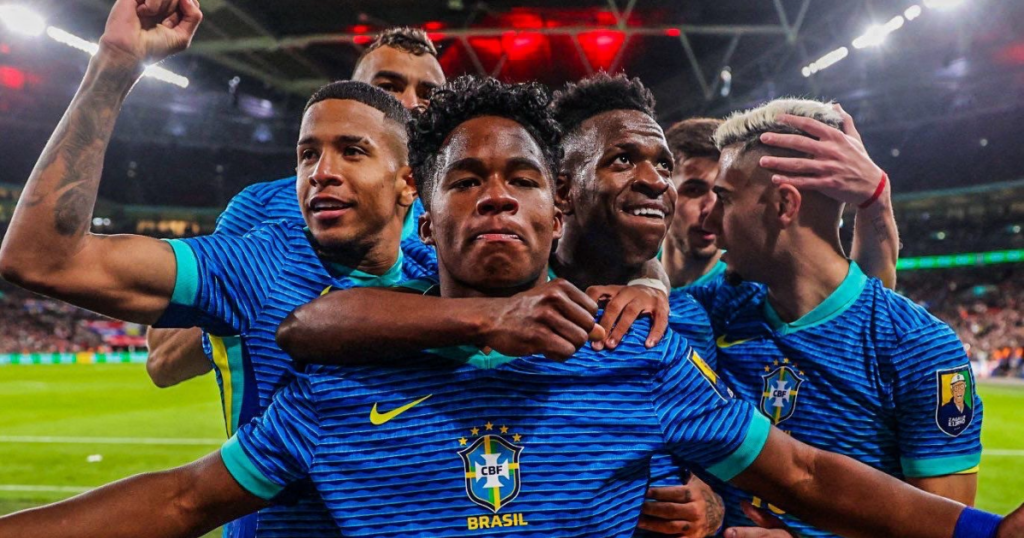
(878, 191)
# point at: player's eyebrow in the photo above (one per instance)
(392, 75)
(342, 139)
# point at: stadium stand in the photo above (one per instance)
(984, 306)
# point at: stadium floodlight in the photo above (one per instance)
(913, 12)
(942, 4)
(152, 71)
(876, 34)
(163, 75)
(22, 20)
(826, 61)
(71, 40)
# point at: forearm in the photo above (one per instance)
(52, 219)
(876, 241)
(175, 355)
(843, 496)
(355, 327)
(958, 487)
(149, 505)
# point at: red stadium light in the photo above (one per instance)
(433, 26)
(1013, 54)
(524, 20)
(606, 18)
(602, 46)
(490, 46)
(435, 36)
(11, 77)
(520, 45)
(360, 29)
(362, 40)
(673, 32)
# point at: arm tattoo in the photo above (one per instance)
(79, 145)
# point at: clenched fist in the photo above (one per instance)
(147, 31)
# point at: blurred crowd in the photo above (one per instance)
(983, 305)
(30, 323)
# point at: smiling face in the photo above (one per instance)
(621, 194)
(694, 178)
(352, 167)
(406, 76)
(492, 215)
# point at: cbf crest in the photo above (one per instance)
(781, 388)
(491, 463)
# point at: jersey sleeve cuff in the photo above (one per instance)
(925, 468)
(245, 473)
(179, 312)
(186, 282)
(748, 451)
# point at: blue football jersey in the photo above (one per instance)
(865, 374)
(245, 287)
(688, 319)
(455, 442)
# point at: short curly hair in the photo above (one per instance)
(469, 97)
(694, 137)
(412, 40)
(597, 94)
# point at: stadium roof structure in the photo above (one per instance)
(944, 75)
(687, 51)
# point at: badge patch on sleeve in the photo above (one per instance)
(716, 382)
(954, 407)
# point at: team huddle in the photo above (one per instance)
(486, 308)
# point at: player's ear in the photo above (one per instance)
(559, 224)
(426, 232)
(790, 201)
(563, 188)
(405, 186)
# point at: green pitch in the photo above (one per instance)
(55, 417)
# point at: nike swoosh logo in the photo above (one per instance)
(722, 343)
(382, 418)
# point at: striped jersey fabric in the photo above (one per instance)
(458, 443)
(245, 287)
(688, 319)
(864, 374)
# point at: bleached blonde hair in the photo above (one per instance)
(746, 127)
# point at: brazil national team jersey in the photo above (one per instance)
(867, 374)
(688, 319)
(246, 286)
(459, 443)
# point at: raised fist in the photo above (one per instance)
(148, 31)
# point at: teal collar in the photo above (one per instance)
(706, 278)
(365, 280)
(473, 356)
(410, 227)
(832, 307)
(551, 274)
